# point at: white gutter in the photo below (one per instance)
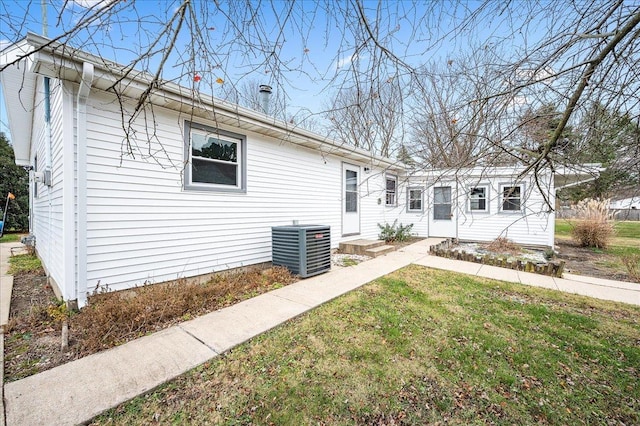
(81, 182)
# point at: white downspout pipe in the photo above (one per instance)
(81, 182)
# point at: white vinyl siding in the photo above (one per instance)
(143, 227)
(533, 225)
(48, 205)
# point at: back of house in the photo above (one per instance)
(187, 185)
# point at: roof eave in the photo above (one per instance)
(18, 86)
(65, 63)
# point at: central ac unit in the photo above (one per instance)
(304, 249)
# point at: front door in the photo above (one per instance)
(442, 218)
(350, 199)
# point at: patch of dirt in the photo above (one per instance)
(33, 339)
(584, 261)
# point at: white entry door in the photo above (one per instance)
(350, 199)
(442, 217)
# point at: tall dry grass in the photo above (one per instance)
(594, 227)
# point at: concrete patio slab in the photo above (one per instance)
(75, 392)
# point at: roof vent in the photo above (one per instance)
(265, 94)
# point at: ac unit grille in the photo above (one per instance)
(304, 249)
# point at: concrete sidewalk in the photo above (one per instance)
(75, 392)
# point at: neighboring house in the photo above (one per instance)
(626, 203)
(202, 196)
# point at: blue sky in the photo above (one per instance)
(312, 55)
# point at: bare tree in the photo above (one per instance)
(369, 119)
(544, 52)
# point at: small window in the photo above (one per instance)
(512, 198)
(415, 200)
(351, 191)
(215, 159)
(478, 199)
(392, 187)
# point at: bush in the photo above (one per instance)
(632, 262)
(504, 246)
(114, 318)
(594, 227)
(395, 232)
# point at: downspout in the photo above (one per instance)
(81, 182)
(48, 162)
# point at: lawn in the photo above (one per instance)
(627, 232)
(420, 346)
(10, 238)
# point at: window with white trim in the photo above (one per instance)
(391, 189)
(478, 196)
(215, 159)
(511, 198)
(415, 199)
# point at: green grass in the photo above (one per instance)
(627, 232)
(628, 229)
(420, 346)
(10, 238)
(23, 263)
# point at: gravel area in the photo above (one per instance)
(339, 259)
(536, 256)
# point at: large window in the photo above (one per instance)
(415, 200)
(511, 198)
(215, 159)
(478, 199)
(442, 203)
(392, 189)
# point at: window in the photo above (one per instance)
(478, 199)
(351, 191)
(215, 159)
(414, 200)
(512, 198)
(442, 203)
(392, 186)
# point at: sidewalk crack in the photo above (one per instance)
(199, 340)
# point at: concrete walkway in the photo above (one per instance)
(75, 392)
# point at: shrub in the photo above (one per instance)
(114, 318)
(394, 232)
(504, 246)
(632, 262)
(594, 227)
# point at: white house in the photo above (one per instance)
(626, 203)
(203, 181)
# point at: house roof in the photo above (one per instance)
(563, 177)
(42, 56)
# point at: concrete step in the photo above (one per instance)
(379, 251)
(359, 246)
